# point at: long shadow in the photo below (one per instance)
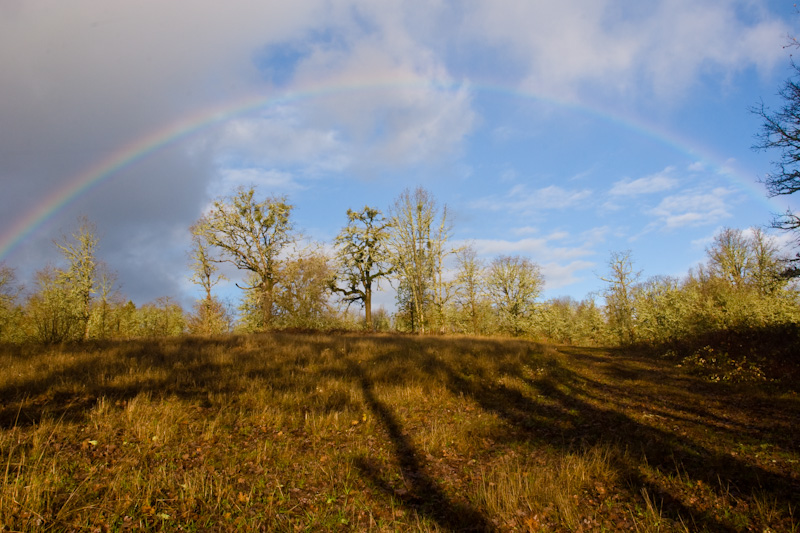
(188, 369)
(67, 393)
(578, 412)
(191, 370)
(572, 424)
(766, 417)
(425, 495)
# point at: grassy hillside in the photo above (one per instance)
(346, 432)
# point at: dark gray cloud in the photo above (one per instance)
(82, 82)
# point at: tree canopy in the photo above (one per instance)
(363, 257)
(251, 234)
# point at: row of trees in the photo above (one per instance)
(290, 285)
(287, 284)
(440, 288)
(742, 286)
(79, 301)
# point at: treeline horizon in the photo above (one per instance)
(743, 284)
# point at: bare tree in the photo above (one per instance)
(729, 256)
(79, 276)
(251, 234)
(470, 293)
(514, 283)
(8, 289)
(780, 131)
(9, 292)
(210, 315)
(302, 298)
(106, 291)
(767, 269)
(160, 318)
(363, 257)
(417, 244)
(205, 271)
(49, 311)
(747, 259)
(443, 288)
(620, 296)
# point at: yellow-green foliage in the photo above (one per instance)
(563, 320)
(10, 311)
(741, 288)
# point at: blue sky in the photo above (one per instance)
(558, 132)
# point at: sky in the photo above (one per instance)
(559, 131)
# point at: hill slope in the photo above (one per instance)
(347, 432)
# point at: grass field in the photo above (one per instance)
(308, 432)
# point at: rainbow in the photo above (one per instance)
(141, 148)
(124, 156)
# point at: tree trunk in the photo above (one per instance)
(266, 303)
(368, 307)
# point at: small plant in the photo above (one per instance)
(718, 366)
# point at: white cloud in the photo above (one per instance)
(525, 230)
(502, 134)
(693, 208)
(728, 167)
(569, 45)
(595, 235)
(387, 93)
(556, 46)
(661, 181)
(279, 137)
(551, 197)
(582, 175)
(508, 175)
(610, 207)
(558, 235)
(520, 198)
(538, 249)
(688, 37)
(267, 181)
(703, 242)
(397, 126)
(558, 275)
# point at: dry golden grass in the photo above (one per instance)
(314, 432)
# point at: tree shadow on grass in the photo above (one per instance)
(587, 401)
(580, 410)
(118, 371)
(570, 421)
(744, 411)
(424, 496)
